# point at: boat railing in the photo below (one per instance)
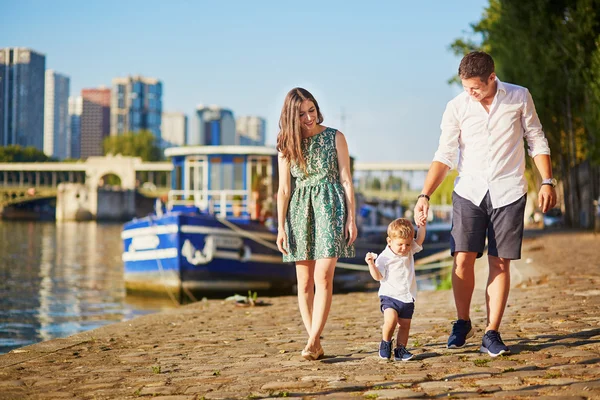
(228, 202)
(216, 202)
(188, 198)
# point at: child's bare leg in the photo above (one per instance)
(403, 330)
(390, 320)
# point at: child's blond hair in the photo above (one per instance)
(401, 228)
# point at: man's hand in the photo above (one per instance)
(546, 198)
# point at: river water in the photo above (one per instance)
(58, 279)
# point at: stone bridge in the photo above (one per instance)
(20, 181)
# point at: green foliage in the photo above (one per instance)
(446, 283)
(141, 144)
(443, 194)
(16, 153)
(252, 296)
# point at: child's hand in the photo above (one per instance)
(370, 257)
(422, 218)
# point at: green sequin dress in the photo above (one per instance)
(316, 216)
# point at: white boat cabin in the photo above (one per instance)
(225, 181)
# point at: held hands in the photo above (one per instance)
(421, 211)
(350, 232)
(281, 241)
(370, 258)
(546, 198)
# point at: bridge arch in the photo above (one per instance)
(122, 167)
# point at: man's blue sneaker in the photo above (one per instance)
(385, 349)
(493, 345)
(461, 331)
(401, 354)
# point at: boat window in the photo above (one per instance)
(216, 173)
(238, 173)
(177, 182)
(227, 176)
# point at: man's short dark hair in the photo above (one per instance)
(476, 64)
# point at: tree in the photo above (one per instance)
(551, 47)
(142, 144)
(16, 153)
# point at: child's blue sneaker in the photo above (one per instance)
(461, 331)
(385, 350)
(401, 354)
(492, 344)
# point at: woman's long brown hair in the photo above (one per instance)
(290, 135)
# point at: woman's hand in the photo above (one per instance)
(350, 232)
(282, 241)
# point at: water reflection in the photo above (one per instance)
(60, 279)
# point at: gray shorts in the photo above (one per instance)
(502, 226)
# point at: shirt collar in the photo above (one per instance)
(391, 254)
(500, 85)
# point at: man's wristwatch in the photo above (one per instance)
(423, 195)
(550, 181)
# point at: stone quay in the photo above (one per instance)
(216, 350)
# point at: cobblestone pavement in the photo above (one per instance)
(215, 350)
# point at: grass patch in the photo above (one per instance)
(156, 369)
(552, 375)
(481, 362)
(371, 396)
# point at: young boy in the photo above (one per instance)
(394, 268)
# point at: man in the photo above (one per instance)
(482, 136)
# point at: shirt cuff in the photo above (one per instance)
(534, 153)
(444, 161)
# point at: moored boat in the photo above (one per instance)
(215, 231)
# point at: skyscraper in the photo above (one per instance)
(56, 115)
(74, 136)
(173, 129)
(251, 131)
(95, 121)
(22, 73)
(215, 126)
(136, 105)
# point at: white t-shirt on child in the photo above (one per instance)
(399, 281)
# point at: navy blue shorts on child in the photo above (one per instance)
(404, 310)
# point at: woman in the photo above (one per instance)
(316, 221)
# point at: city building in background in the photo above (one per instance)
(74, 135)
(136, 105)
(173, 129)
(214, 126)
(251, 131)
(22, 76)
(95, 121)
(56, 115)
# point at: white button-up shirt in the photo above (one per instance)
(399, 281)
(487, 148)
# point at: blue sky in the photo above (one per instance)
(384, 63)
